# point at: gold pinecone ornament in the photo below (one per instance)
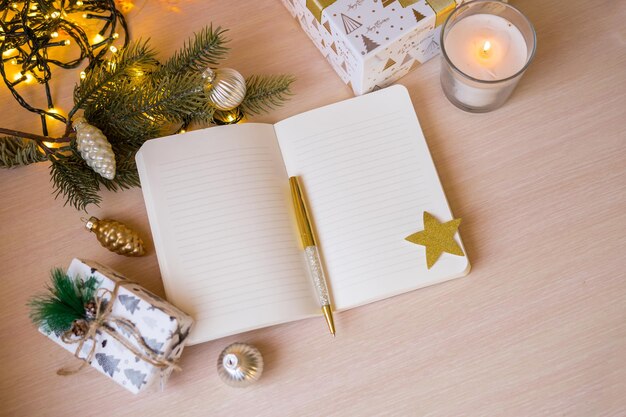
(94, 148)
(116, 236)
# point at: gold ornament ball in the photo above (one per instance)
(228, 117)
(226, 87)
(116, 236)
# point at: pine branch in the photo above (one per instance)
(104, 79)
(132, 98)
(264, 93)
(16, 151)
(64, 302)
(202, 115)
(143, 113)
(78, 185)
(204, 50)
(126, 175)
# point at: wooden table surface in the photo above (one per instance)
(537, 328)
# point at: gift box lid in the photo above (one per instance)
(368, 25)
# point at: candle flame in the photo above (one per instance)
(486, 48)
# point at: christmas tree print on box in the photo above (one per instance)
(372, 43)
(162, 326)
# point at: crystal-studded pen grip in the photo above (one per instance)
(317, 274)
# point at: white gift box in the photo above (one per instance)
(372, 43)
(162, 326)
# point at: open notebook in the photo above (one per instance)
(226, 239)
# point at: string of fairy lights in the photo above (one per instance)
(37, 35)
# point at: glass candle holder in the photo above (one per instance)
(486, 47)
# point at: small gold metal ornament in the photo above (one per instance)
(228, 117)
(226, 87)
(116, 236)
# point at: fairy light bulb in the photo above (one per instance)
(113, 49)
(83, 75)
(79, 3)
(115, 35)
(66, 42)
(54, 35)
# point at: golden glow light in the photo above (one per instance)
(485, 49)
(8, 52)
(83, 75)
(79, 3)
(54, 35)
(98, 38)
(113, 49)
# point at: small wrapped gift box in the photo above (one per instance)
(139, 336)
(372, 43)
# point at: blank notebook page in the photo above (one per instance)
(368, 177)
(219, 208)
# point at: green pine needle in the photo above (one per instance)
(63, 304)
(75, 181)
(104, 79)
(16, 151)
(204, 50)
(264, 93)
(133, 98)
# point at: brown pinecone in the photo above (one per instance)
(90, 310)
(79, 328)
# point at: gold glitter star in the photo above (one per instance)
(437, 238)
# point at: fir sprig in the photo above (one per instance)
(64, 302)
(133, 98)
(266, 92)
(78, 185)
(16, 151)
(206, 49)
(104, 79)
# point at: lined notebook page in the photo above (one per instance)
(368, 176)
(219, 209)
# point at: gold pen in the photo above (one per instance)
(310, 249)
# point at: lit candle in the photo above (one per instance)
(484, 54)
(486, 47)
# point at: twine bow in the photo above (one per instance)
(103, 322)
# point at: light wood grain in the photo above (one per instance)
(537, 328)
